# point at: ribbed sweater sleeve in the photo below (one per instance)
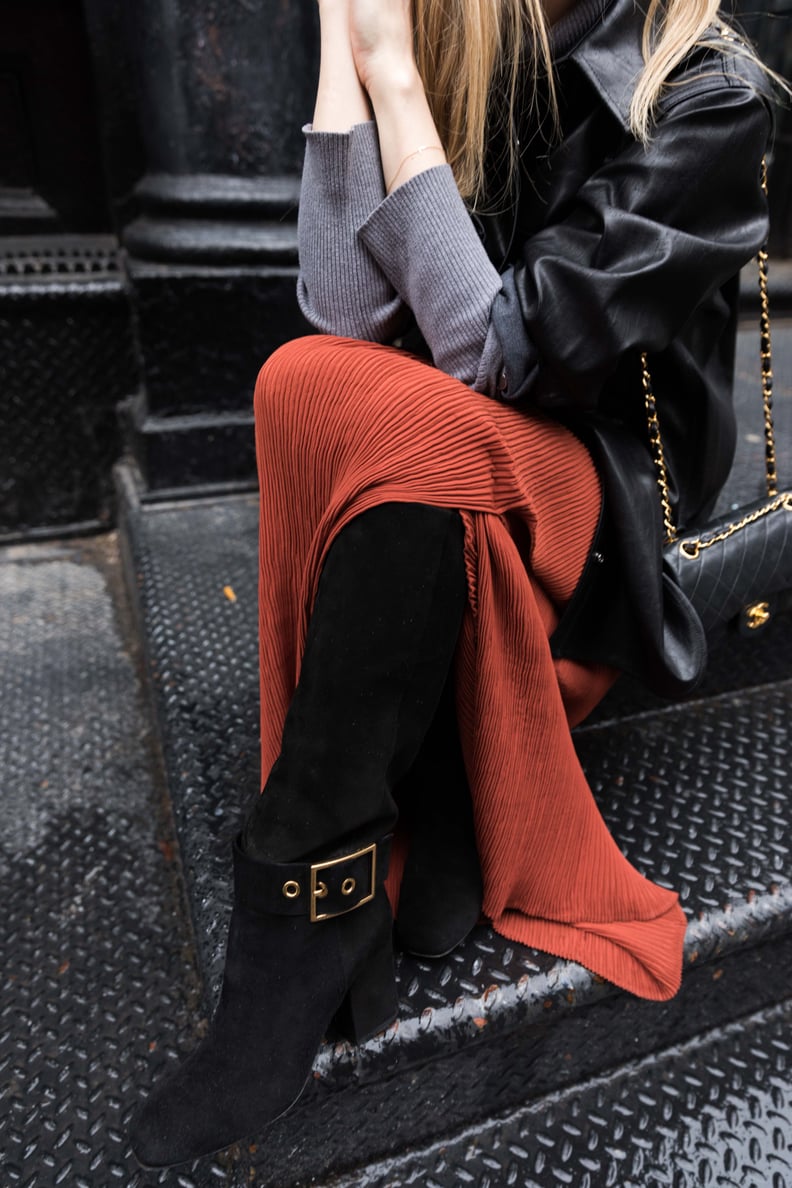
(341, 289)
(367, 261)
(425, 243)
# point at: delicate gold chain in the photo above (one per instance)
(691, 548)
(423, 148)
(656, 439)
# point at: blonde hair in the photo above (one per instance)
(671, 29)
(472, 56)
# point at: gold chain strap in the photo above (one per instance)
(656, 447)
(692, 547)
(766, 356)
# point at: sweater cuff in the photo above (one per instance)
(345, 166)
(340, 289)
(424, 241)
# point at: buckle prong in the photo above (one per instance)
(319, 888)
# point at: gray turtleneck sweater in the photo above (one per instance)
(367, 259)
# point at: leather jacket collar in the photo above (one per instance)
(610, 54)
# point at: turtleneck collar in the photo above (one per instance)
(575, 24)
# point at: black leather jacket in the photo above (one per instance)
(613, 248)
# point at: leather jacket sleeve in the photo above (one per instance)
(629, 254)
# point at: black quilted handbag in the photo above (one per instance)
(733, 569)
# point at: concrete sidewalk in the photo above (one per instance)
(98, 973)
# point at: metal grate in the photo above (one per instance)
(70, 258)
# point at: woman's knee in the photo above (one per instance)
(316, 368)
(280, 373)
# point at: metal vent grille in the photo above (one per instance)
(58, 257)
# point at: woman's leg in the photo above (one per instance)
(380, 643)
(345, 425)
(342, 427)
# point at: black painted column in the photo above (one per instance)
(223, 90)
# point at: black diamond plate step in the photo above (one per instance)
(714, 1111)
(699, 797)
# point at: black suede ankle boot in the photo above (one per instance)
(307, 943)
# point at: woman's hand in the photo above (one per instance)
(341, 101)
(368, 55)
(381, 40)
(381, 36)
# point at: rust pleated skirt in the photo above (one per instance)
(343, 425)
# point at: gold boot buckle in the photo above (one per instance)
(340, 886)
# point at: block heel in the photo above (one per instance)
(371, 1003)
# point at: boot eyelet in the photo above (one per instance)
(348, 886)
(291, 889)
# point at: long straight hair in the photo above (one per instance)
(472, 56)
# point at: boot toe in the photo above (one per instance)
(158, 1136)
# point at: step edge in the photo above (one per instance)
(673, 707)
(381, 1172)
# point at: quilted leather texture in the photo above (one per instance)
(750, 566)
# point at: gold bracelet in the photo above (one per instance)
(424, 148)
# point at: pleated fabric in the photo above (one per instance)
(342, 425)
